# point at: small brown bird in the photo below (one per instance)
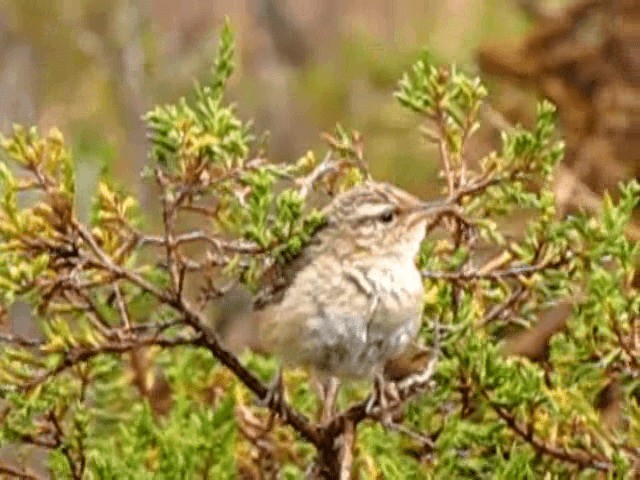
(353, 299)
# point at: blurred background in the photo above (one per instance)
(93, 68)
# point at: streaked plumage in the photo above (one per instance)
(354, 297)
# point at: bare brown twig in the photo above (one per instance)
(16, 340)
(471, 275)
(349, 441)
(81, 354)
(76, 466)
(583, 459)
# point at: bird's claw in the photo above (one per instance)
(383, 400)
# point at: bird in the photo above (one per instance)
(353, 298)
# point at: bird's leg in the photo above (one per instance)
(317, 384)
(331, 387)
(274, 399)
(384, 395)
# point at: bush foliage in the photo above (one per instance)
(116, 313)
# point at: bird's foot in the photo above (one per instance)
(274, 399)
(383, 400)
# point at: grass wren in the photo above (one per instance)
(354, 296)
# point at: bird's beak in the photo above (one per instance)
(427, 210)
(431, 209)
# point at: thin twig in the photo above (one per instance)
(306, 183)
(445, 154)
(59, 435)
(348, 445)
(633, 357)
(20, 341)
(122, 308)
(418, 437)
(237, 246)
(77, 355)
(207, 212)
(100, 319)
(513, 299)
(580, 458)
(515, 271)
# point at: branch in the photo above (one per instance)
(103, 261)
(78, 355)
(348, 445)
(19, 341)
(633, 356)
(462, 276)
(239, 246)
(122, 308)
(306, 183)
(580, 458)
(487, 274)
(59, 435)
(478, 186)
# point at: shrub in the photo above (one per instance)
(111, 299)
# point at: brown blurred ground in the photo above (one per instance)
(586, 59)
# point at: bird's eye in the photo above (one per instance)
(387, 217)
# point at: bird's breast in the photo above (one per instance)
(347, 320)
(399, 290)
(393, 324)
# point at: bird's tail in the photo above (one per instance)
(238, 324)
